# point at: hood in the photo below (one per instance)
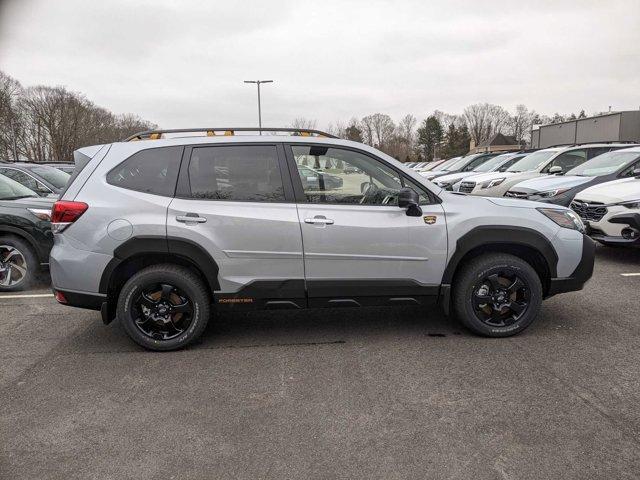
(515, 202)
(483, 177)
(550, 182)
(455, 177)
(433, 173)
(32, 202)
(612, 192)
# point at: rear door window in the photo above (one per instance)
(245, 173)
(154, 170)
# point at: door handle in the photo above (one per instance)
(190, 217)
(319, 221)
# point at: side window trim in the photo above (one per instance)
(297, 183)
(183, 189)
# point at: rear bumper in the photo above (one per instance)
(90, 301)
(580, 275)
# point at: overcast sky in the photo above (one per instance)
(182, 63)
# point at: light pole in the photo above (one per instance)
(258, 83)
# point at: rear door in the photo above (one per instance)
(234, 201)
(359, 246)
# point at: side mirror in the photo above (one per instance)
(409, 199)
(364, 186)
(636, 172)
(555, 169)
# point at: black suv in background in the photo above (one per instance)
(41, 179)
(25, 234)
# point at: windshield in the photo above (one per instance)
(456, 165)
(445, 164)
(10, 189)
(491, 163)
(604, 164)
(532, 162)
(55, 177)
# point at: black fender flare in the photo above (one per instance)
(501, 235)
(186, 249)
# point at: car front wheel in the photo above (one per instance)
(497, 295)
(164, 307)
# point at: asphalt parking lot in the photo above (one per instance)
(375, 393)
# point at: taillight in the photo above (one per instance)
(65, 213)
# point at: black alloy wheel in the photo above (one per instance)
(161, 311)
(500, 299)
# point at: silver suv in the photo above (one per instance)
(166, 231)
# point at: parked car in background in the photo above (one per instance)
(611, 211)
(141, 235)
(25, 234)
(554, 160)
(315, 180)
(439, 165)
(42, 179)
(561, 189)
(497, 163)
(464, 164)
(432, 165)
(65, 167)
(421, 165)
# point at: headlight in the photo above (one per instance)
(493, 183)
(634, 204)
(41, 213)
(551, 193)
(564, 218)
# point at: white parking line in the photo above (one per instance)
(28, 295)
(630, 274)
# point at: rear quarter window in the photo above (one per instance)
(150, 171)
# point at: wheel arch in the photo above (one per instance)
(525, 243)
(141, 252)
(21, 234)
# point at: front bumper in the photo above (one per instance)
(623, 220)
(580, 275)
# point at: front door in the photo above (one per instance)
(359, 246)
(237, 206)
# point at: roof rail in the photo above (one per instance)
(211, 132)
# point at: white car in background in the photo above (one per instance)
(550, 161)
(452, 181)
(611, 211)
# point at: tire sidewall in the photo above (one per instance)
(528, 275)
(134, 287)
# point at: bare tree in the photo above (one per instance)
(378, 129)
(304, 123)
(520, 124)
(10, 91)
(484, 120)
(44, 123)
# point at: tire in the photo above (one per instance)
(141, 289)
(21, 260)
(475, 294)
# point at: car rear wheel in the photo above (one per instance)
(497, 295)
(164, 307)
(18, 264)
